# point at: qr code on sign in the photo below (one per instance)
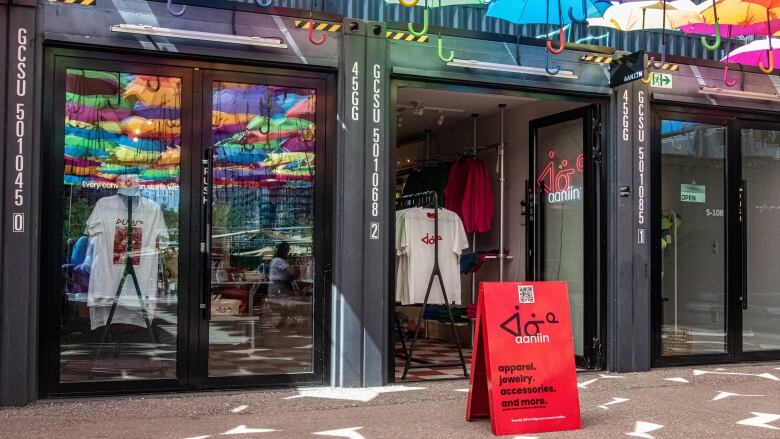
(525, 293)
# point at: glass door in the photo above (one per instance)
(263, 170)
(563, 220)
(112, 311)
(694, 250)
(760, 239)
(178, 257)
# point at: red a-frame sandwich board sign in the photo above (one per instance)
(522, 370)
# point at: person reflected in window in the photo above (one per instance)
(281, 273)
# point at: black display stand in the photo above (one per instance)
(422, 199)
(128, 271)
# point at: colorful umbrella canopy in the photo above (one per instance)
(756, 53)
(644, 15)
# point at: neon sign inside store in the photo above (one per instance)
(555, 178)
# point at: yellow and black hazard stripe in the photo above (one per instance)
(319, 25)
(75, 2)
(600, 59)
(405, 36)
(667, 66)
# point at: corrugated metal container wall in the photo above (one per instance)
(472, 18)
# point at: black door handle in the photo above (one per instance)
(206, 194)
(743, 218)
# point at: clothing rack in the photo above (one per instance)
(475, 150)
(128, 271)
(502, 256)
(419, 200)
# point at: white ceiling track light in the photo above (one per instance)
(418, 109)
(739, 94)
(473, 64)
(276, 43)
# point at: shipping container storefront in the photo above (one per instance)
(714, 165)
(214, 196)
(174, 178)
(539, 139)
(187, 208)
(175, 174)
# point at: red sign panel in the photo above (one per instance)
(522, 368)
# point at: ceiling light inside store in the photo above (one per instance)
(419, 109)
(738, 94)
(194, 35)
(473, 64)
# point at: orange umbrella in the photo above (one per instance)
(733, 12)
(736, 11)
(768, 5)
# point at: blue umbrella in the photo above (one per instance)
(560, 11)
(529, 12)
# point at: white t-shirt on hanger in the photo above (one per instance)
(415, 248)
(107, 229)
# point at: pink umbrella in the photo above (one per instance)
(759, 53)
(733, 30)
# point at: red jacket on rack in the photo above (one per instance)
(470, 195)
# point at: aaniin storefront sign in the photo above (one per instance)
(522, 372)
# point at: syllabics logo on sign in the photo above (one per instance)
(523, 372)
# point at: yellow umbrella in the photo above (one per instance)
(646, 15)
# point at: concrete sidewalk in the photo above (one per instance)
(739, 401)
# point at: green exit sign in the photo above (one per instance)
(660, 80)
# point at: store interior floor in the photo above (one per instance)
(435, 129)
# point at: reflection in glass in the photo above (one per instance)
(693, 247)
(560, 189)
(262, 222)
(120, 226)
(761, 172)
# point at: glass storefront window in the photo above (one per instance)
(120, 226)
(262, 230)
(761, 175)
(693, 231)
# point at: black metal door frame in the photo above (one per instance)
(322, 254)
(594, 320)
(712, 118)
(596, 180)
(58, 61)
(739, 239)
(734, 233)
(189, 352)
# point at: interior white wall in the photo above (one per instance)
(451, 139)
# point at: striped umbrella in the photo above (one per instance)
(759, 53)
